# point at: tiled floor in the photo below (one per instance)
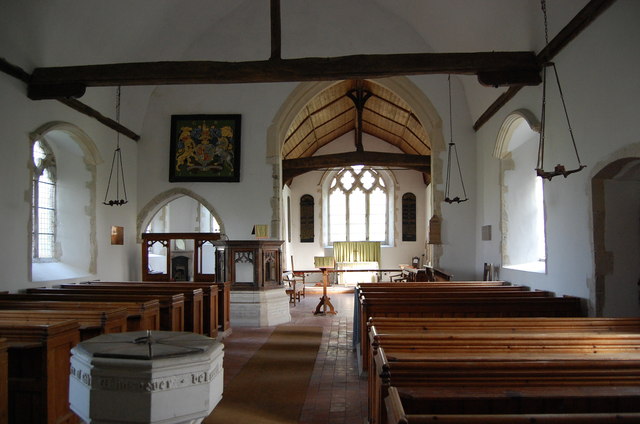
(336, 393)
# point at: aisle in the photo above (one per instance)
(336, 394)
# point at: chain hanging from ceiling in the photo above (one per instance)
(453, 153)
(559, 169)
(116, 165)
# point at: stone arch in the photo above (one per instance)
(90, 151)
(304, 92)
(63, 133)
(147, 213)
(509, 125)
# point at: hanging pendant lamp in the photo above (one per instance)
(453, 152)
(116, 165)
(559, 168)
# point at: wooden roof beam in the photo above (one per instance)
(588, 14)
(495, 68)
(22, 75)
(293, 167)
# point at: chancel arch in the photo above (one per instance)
(417, 102)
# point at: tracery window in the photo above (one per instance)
(358, 205)
(43, 202)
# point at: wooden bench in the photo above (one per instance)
(463, 306)
(224, 303)
(141, 315)
(193, 299)
(409, 407)
(210, 292)
(171, 305)
(514, 324)
(516, 353)
(448, 284)
(501, 370)
(4, 382)
(93, 322)
(39, 356)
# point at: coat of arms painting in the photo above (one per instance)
(205, 148)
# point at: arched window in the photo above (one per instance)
(522, 223)
(63, 214)
(358, 205)
(43, 202)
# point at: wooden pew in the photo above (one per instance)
(93, 322)
(193, 299)
(492, 373)
(450, 284)
(224, 307)
(437, 355)
(210, 292)
(218, 317)
(39, 356)
(382, 325)
(141, 315)
(444, 286)
(4, 382)
(408, 408)
(171, 305)
(440, 294)
(463, 306)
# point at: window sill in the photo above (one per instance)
(55, 271)
(539, 267)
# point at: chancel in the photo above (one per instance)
(370, 133)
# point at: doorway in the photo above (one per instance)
(616, 224)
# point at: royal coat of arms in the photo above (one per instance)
(205, 148)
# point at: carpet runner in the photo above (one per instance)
(272, 386)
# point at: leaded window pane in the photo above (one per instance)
(378, 215)
(338, 216)
(357, 216)
(361, 211)
(43, 202)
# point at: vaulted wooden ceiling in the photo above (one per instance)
(333, 113)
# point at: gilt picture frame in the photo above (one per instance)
(205, 148)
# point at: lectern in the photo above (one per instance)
(324, 264)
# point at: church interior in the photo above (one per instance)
(236, 160)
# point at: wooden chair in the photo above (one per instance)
(295, 287)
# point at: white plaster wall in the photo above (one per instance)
(239, 205)
(599, 80)
(20, 116)
(310, 183)
(459, 232)
(29, 37)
